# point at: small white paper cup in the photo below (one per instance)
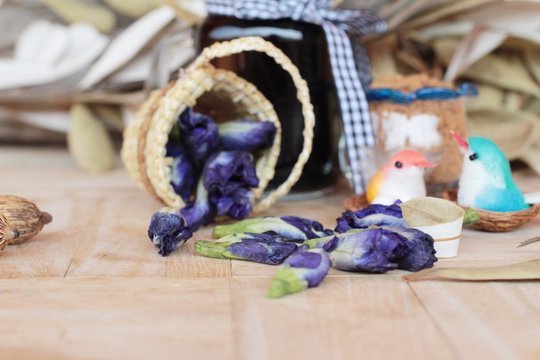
(446, 237)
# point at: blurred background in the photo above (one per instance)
(72, 72)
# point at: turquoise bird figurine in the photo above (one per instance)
(486, 179)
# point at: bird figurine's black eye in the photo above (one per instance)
(473, 156)
(398, 164)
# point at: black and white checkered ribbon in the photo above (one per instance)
(350, 65)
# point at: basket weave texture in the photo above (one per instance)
(145, 139)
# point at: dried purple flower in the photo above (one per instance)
(236, 205)
(302, 270)
(168, 231)
(199, 135)
(183, 176)
(371, 250)
(200, 211)
(373, 215)
(246, 135)
(227, 171)
(261, 248)
(418, 252)
(291, 228)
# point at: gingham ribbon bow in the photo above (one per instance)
(338, 25)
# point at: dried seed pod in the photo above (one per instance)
(7, 232)
(24, 216)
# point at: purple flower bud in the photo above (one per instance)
(183, 176)
(168, 231)
(236, 205)
(228, 171)
(174, 144)
(246, 135)
(373, 215)
(418, 252)
(302, 270)
(199, 212)
(199, 135)
(371, 250)
(261, 248)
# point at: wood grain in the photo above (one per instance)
(91, 285)
(99, 318)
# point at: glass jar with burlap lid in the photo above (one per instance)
(227, 96)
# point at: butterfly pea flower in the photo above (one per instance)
(199, 212)
(373, 250)
(291, 228)
(183, 175)
(418, 252)
(174, 145)
(373, 215)
(262, 248)
(227, 171)
(246, 135)
(168, 230)
(199, 135)
(303, 269)
(236, 205)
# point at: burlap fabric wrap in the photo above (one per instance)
(224, 96)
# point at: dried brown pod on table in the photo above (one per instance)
(7, 232)
(24, 216)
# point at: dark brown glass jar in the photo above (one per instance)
(305, 44)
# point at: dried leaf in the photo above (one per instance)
(133, 8)
(532, 61)
(85, 43)
(529, 241)
(532, 157)
(42, 42)
(478, 43)
(489, 97)
(514, 131)
(75, 11)
(88, 141)
(529, 270)
(445, 48)
(191, 11)
(427, 211)
(110, 115)
(513, 101)
(504, 72)
(128, 44)
(382, 61)
(453, 8)
(513, 17)
(533, 106)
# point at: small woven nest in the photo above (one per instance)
(224, 96)
(493, 221)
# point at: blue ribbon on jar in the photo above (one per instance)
(350, 63)
(425, 93)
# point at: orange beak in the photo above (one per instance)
(461, 141)
(425, 164)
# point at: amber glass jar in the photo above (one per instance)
(305, 44)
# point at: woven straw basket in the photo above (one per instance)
(228, 97)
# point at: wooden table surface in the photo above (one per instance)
(92, 286)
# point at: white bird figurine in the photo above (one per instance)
(401, 178)
(486, 179)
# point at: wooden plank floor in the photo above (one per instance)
(91, 286)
